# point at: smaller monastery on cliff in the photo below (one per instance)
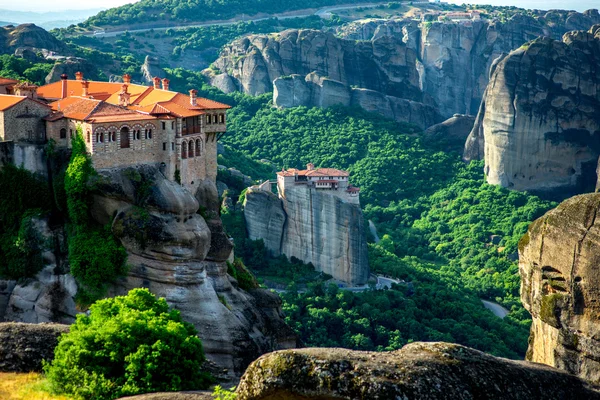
(122, 123)
(315, 216)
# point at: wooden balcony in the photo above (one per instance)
(191, 130)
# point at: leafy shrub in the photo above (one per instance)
(238, 270)
(127, 345)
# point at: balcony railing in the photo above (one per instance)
(191, 130)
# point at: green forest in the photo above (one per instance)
(447, 234)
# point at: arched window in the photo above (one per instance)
(184, 150)
(198, 147)
(63, 133)
(125, 137)
(191, 149)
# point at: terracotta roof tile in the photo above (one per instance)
(7, 101)
(7, 81)
(314, 172)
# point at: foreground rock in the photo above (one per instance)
(539, 120)
(418, 371)
(452, 133)
(24, 346)
(558, 263)
(179, 255)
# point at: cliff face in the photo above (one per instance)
(28, 36)
(404, 66)
(314, 90)
(539, 120)
(313, 226)
(558, 263)
(178, 254)
(418, 371)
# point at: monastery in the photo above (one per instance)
(122, 123)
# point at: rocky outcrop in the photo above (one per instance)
(316, 91)
(50, 295)
(254, 62)
(70, 66)
(24, 346)
(452, 133)
(539, 120)
(181, 255)
(558, 263)
(150, 69)
(312, 225)
(423, 371)
(28, 36)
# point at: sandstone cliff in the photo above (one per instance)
(312, 225)
(314, 90)
(558, 263)
(539, 119)
(181, 255)
(418, 371)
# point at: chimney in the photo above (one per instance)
(193, 97)
(127, 79)
(165, 84)
(156, 81)
(64, 80)
(84, 86)
(124, 96)
(310, 166)
(79, 75)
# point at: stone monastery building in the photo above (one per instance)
(122, 123)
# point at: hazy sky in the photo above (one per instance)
(57, 5)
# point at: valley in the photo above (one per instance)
(448, 141)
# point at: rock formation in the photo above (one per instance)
(29, 36)
(316, 91)
(558, 263)
(418, 371)
(444, 65)
(70, 66)
(181, 255)
(539, 119)
(150, 69)
(452, 133)
(24, 346)
(312, 225)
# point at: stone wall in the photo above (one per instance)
(23, 122)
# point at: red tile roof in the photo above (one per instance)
(314, 172)
(7, 101)
(7, 81)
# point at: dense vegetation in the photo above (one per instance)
(23, 197)
(128, 345)
(96, 257)
(445, 232)
(148, 11)
(22, 69)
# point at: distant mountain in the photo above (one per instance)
(47, 20)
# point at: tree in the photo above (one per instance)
(127, 345)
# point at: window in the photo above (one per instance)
(191, 149)
(215, 118)
(208, 120)
(172, 146)
(149, 136)
(222, 118)
(184, 150)
(89, 136)
(173, 125)
(198, 147)
(164, 125)
(63, 133)
(125, 137)
(71, 132)
(164, 146)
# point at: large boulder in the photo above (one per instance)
(558, 263)
(31, 37)
(418, 371)
(451, 133)
(24, 346)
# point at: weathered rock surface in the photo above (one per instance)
(172, 396)
(540, 120)
(70, 66)
(170, 249)
(558, 263)
(28, 36)
(49, 296)
(150, 69)
(24, 346)
(451, 133)
(312, 225)
(419, 371)
(316, 91)
(383, 65)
